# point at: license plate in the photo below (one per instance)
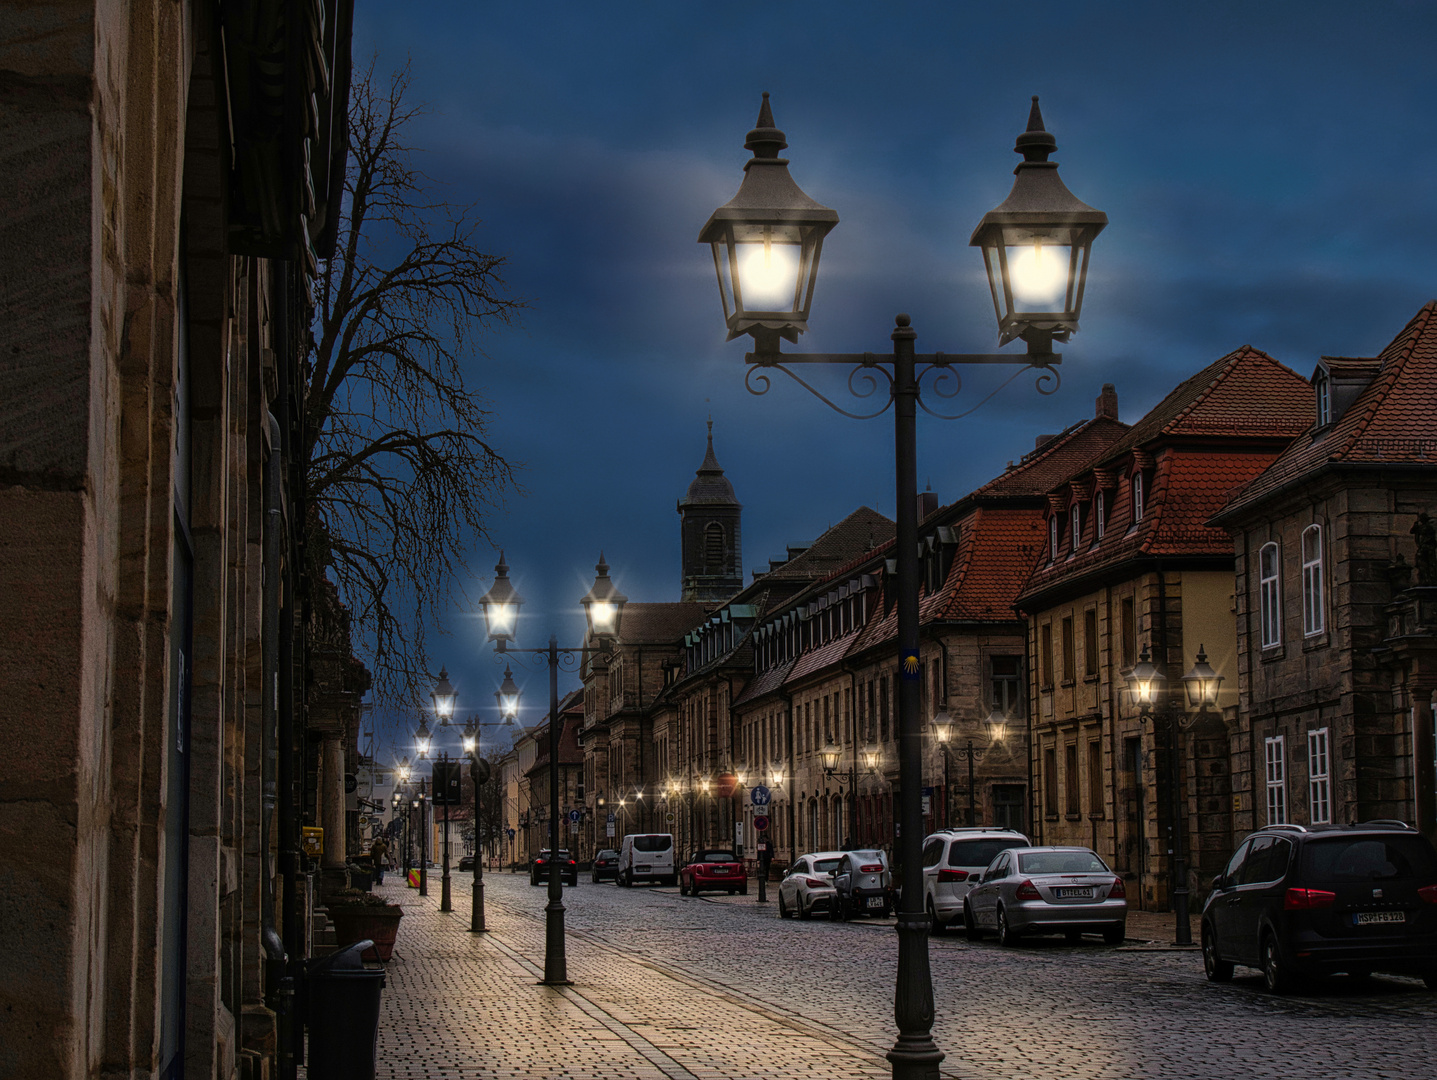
(641, 869)
(875, 901)
(1367, 918)
(720, 869)
(1074, 892)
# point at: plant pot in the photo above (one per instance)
(355, 922)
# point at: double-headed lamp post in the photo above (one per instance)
(1201, 684)
(831, 754)
(766, 245)
(943, 732)
(603, 609)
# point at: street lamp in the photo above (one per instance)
(1201, 685)
(603, 611)
(479, 773)
(944, 730)
(766, 244)
(830, 756)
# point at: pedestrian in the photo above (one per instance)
(377, 853)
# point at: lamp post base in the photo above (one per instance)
(556, 963)
(915, 1056)
(444, 904)
(476, 913)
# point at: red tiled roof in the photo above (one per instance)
(647, 624)
(1392, 420)
(1056, 460)
(997, 550)
(830, 652)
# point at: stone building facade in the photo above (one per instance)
(165, 204)
(1128, 563)
(1334, 637)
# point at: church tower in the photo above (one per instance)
(711, 542)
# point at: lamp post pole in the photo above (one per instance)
(971, 805)
(444, 900)
(424, 805)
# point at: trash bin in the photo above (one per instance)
(343, 1015)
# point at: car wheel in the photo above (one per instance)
(783, 912)
(1274, 971)
(804, 913)
(1116, 934)
(845, 910)
(1006, 936)
(1214, 966)
(1072, 937)
(935, 927)
(743, 891)
(683, 889)
(625, 880)
(970, 926)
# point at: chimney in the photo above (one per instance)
(1108, 403)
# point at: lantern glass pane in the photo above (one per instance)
(509, 705)
(723, 267)
(601, 616)
(1040, 275)
(502, 618)
(769, 262)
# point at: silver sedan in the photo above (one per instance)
(1067, 890)
(807, 885)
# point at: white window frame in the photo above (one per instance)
(1323, 388)
(1053, 538)
(1269, 594)
(1319, 779)
(1275, 755)
(1077, 528)
(1137, 497)
(1099, 515)
(1314, 607)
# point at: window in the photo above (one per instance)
(1052, 537)
(1269, 594)
(1068, 663)
(1130, 632)
(1090, 643)
(883, 709)
(1045, 655)
(1050, 782)
(1077, 529)
(713, 544)
(1007, 671)
(1319, 788)
(1070, 760)
(1137, 497)
(1313, 620)
(1095, 778)
(1276, 780)
(1321, 386)
(1100, 515)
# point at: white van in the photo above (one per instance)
(647, 857)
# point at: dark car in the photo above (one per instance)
(606, 866)
(466, 864)
(717, 870)
(539, 868)
(1324, 900)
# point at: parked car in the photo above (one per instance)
(647, 857)
(466, 864)
(953, 859)
(1044, 890)
(1298, 901)
(714, 869)
(606, 865)
(568, 868)
(862, 884)
(807, 885)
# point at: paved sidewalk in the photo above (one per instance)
(461, 1005)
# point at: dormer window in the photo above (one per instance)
(1322, 388)
(1052, 537)
(1077, 529)
(1100, 514)
(1137, 497)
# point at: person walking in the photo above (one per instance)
(378, 853)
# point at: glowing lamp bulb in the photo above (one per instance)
(1040, 275)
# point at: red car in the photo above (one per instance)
(714, 870)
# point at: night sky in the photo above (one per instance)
(1269, 172)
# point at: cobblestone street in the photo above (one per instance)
(666, 986)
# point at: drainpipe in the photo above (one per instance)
(1113, 755)
(273, 526)
(792, 778)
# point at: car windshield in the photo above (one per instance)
(660, 842)
(1369, 858)
(715, 856)
(607, 855)
(825, 866)
(1060, 862)
(980, 852)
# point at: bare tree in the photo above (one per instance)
(401, 477)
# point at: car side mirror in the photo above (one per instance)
(1219, 883)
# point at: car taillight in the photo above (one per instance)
(1028, 891)
(1428, 893)
(952, 875)
(1119, 891)
(571, 862)
(871, 868)
(816, 883)
(1303, 899)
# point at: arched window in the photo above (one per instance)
(1313, 619)
(1269, 594)
(713, 544)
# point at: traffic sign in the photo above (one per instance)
(759, 795)
(760, 823)
(611, 819)
(574, 817)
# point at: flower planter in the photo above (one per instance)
(355, 922)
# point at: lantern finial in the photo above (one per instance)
(765, 140)
(1036, 143)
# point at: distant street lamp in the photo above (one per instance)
(830, 755)
(1201, 685)
(943, 731)
(603, 610)
(766, 244)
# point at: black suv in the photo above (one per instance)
(539, 869)
(1322, 900)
